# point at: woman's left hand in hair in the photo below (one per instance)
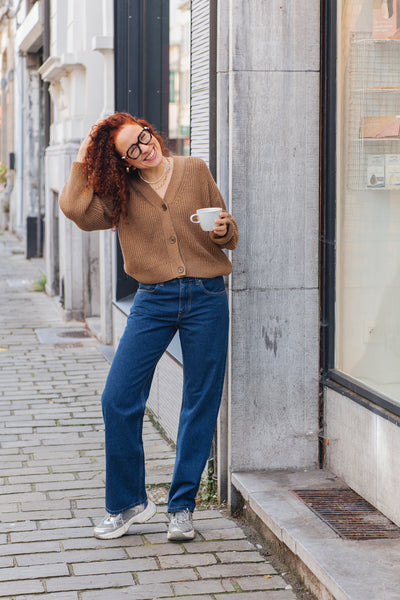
(221, 224)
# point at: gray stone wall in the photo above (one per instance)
(268, 84)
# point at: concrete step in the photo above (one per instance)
(332, 567)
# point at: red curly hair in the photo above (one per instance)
(105, 170)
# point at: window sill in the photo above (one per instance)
(363, 395)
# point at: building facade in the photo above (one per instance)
(293, 105)
(7, 115)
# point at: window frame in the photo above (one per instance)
(330, 376)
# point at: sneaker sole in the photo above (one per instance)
(142, 517)
(177, 536)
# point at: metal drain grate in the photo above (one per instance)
(349, 515)
(77, 333)
(54, 335)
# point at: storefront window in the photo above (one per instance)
(179, 76)
(368, 194)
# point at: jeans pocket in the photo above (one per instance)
(214, 286)
(149, 288)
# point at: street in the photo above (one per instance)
(52, 463)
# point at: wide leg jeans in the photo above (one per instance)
(198, 308)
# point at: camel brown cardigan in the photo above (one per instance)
(158, 240)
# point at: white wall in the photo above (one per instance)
(27, 194)
(80, 73)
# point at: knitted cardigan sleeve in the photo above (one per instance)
(78, 202)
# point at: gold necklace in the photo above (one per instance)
(165, 171)
(160, 182)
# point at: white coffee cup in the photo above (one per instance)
(206, 217)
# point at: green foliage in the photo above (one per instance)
(207, 494)
(3, 173)
(40, 284)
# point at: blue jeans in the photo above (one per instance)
(198, 308)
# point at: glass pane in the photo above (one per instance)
(368, 201)
(179, 76)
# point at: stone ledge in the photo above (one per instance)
(331, 567)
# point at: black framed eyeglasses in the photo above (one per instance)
(134, 151)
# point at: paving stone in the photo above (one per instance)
(167, 576)
(96, 514)
(64, 523)
(186, 560)
(236, 570)
(114, 566)
(90, 503)
(71, 556)
(270, 595)
(55, 596)
(21, 472)
(218, 546)
(6, 561)
(67, 485)
(20, 587)
(211, 513)
(29, 496)
(212, 586)
(223, 534)
(156, 538)
(63, 461)
(8, 508)
(212, 524)
(154, 550)
(23, 548)
(37, 478)
(239, 557)
(8, 525)
(36, 572)
(191, 598)
(35, 515)
(261, 583)
(139, 592)
(76, 494)
(92, 542)
(58, 534)
(88, 582)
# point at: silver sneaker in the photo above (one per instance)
(114, 526)
(181, 525)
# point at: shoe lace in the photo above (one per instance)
(112, 518)
(181, 516)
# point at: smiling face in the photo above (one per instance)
(151, 155)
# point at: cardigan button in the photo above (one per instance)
(164, 207)
(172, 239)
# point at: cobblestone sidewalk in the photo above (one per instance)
(52, 478)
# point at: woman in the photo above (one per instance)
(124, 178)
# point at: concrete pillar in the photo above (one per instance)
(268, 152)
